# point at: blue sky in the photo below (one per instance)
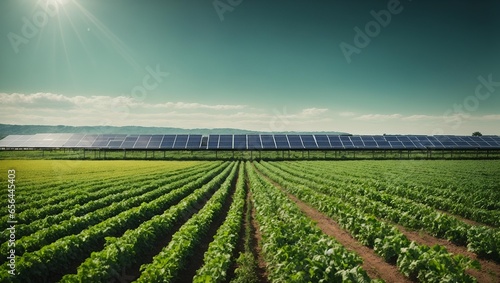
(365, 67)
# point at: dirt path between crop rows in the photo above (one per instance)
(373, 264)
(490, 270)
(257, 246)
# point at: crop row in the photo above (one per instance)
(83, 193)
(219, 255)
(124, 251)
(76, 224)
(418, 262)
(296, 250)
(482, 240)
(166, 265)
(58, 256)
(110, 198)
(475, 205)
(55, 194)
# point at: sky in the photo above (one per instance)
(363, 67)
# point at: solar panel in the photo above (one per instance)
(295, 142)
(155, 142)
(268, 142)
(309, 142)
(383, 144)
(281, 142)
(181, 142)
(254, 142)
(129, 142)
(115, 144)
(370, 144)
(73, 140)
(357, 142)
(435, 143)
(336, 142)
(226, 142)
(168, 142)
(396, 145)
(322, 141)
(240, 142)
(213, 142)
(194, 142)
(142, 142)
(391, 138)
(87, 141)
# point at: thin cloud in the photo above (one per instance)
(347, 114)
(313, 111)
(378, 117)
(43, 99)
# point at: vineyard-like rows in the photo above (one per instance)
(140, 221)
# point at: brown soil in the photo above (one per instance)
(490, 271)
(257, 246)
(374, 265)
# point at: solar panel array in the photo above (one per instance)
(249, 142)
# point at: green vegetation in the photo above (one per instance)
(103, 221)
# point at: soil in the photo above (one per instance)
(257, 247)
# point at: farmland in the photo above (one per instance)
(230, 221)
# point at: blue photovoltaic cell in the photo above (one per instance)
(194, 142)
(336, 142)
(213, 141)
(295, 142)
(254, 142)
(383, 144)
(168, 142)
(180, 141)
(344, 139)
(355, 139)
(129, 142)
(403, 139)
(74, 140)
(268, 142)
(114, 144)
(397, 145)
(87, 141)
(155, 141)
(409, 145)
(358, 144)
(281, 142)
(142, 142)
(348, 145)
(322, 141)
(370, 144)
(240, 142)
(226, 142)
(391, 138)
(308, 142)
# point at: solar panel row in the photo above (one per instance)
(251, 142)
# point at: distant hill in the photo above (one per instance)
(6, 130)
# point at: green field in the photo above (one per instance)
(267, 221)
